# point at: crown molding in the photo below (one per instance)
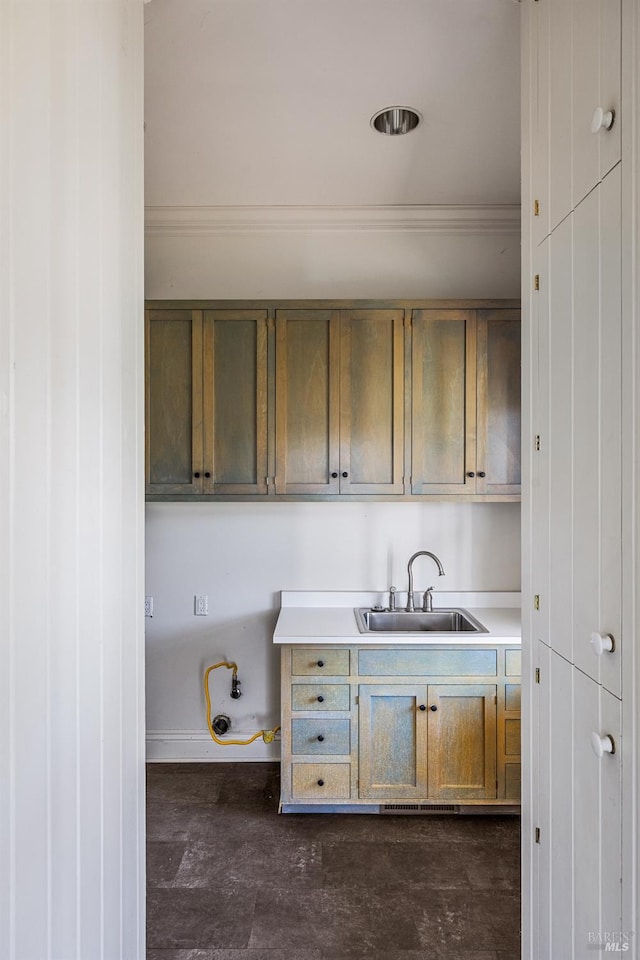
(212, 221)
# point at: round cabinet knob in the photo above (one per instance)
(321, 783)
(471, 473)
(602, 643)
(196, 475)
(334, 475)
(207, 474)
(602, 120)
(321, 663)
(601, 745)
(345, 474)
(320, 699)
(481, 473)
(422, 706)
(433, 707)
(320, 737)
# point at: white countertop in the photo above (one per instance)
(328, 617)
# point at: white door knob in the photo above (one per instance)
(601, 745)
(602, 119)
(602, 643)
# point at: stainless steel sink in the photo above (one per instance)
(417, 621)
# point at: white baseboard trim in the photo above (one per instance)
(164, 746)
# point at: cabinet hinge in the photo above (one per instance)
(357, 700)
(536, 601)
(536, 443)
(536, 282)
(536, 208)
(537, 674)
(267, 481)
(495, 698)
(537, 834)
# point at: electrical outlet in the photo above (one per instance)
(201, 606)
(148, 606)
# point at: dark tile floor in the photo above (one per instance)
(230, 879)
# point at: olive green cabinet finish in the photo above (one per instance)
(371, 402)
(339, 402)
(173, 441)
(413, 725)
(206, 402)
(498, 401)
(393, 741)
(466, 384)
(235, 401)
(307, 401)
(435, 741)
(326, 399)
(462, 741)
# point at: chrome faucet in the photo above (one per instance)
(428, 604)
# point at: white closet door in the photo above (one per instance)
(585, 433)
(611, 815)
(560, 364)
(596, 83)
(560, 110)
(610, 459)
(597, 408)
(597, 815)
(561, 838)
(540, 460)
(540, 119)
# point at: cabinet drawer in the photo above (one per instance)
(428, 663)
(320, 736)
(332, 663)
(320, 696)
(320, 781)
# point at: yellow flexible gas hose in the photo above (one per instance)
(267, 735)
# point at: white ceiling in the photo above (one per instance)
(268, 102)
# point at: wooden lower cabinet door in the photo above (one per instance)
(462, 741)
(393, 741)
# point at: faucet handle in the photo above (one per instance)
(427, 600)
(392, 598)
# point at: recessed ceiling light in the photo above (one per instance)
(394, 121)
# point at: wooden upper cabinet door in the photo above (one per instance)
(462, 741)
(307, 401)
(499, 402)
(173, 442)
(235, 401)
(371, 402)
(444, 402)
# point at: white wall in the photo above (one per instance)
(403, 252)
(242, 555)
(71, 505)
